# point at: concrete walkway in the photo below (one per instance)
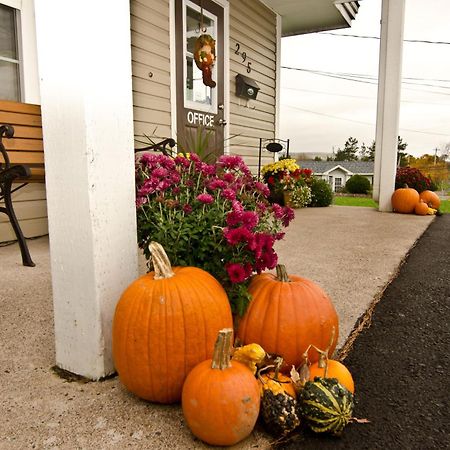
(351, 252)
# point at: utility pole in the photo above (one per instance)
(435, 155)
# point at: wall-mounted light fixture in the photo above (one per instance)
(246, 87)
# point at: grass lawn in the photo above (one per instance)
(354, 201)
(364, 201)
(445, 206)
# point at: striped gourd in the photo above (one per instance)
(326, 405)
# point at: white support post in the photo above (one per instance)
(388, 107)
(84, 57)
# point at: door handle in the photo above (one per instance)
(222, 122)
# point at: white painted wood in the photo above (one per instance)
(12, 3)
(388, 106)
(30, 75)
(87, 114)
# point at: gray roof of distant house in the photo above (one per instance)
(325, 166)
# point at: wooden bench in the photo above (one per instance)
(21, 158)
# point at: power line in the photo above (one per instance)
(359, 121)
(356, 80)
(364, 75)
(415, 41)
(358, 96)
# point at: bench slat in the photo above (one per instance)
(26, 108)
(25, 157)
(26, 132)
(20, 119)
(34, 145)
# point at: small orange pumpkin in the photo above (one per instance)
(431, 199)
(287, 314)
(404, 200)
(221, 397)
(165, 323)
(333, 369)
(421, 209)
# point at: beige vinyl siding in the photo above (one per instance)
(31, 209)
(253, 26)
(150, 54)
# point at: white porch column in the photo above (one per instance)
(84, 56)
(388, 107)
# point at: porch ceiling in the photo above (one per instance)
(310, 16)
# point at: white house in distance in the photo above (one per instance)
(105, 73)
(336, 173)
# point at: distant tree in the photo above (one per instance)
(402, 156)
(317, 158)
(445, 152)
(349, 152)
(368, 153)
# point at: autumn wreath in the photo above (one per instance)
(205, 57)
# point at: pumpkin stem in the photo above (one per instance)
(278, 363)
(160, 261)
(222, 350)
(282, 273)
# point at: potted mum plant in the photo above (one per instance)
(288, 183)
(213, 216)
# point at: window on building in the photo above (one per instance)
(337, 184)
(9, 55)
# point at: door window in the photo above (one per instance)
(9, 57)
(196, 94)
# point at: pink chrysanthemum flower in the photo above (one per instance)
(205, 198)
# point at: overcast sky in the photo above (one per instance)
(319, 112)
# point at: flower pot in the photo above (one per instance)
(287, 199)
(276, 197)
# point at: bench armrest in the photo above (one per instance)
(8, 132)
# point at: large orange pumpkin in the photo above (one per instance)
(165, 323)
(431, 199)
(221, 397)
(286, 315)
(333, 369)
(421, 209)
(404, 200)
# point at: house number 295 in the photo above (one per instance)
(243, 55)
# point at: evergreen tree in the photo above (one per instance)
(349, 152)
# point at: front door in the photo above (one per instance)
(200, 92)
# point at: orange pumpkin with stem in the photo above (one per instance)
(287, 314)
(431, 199)
(404, 200)
(221, 397)
(165, 323)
